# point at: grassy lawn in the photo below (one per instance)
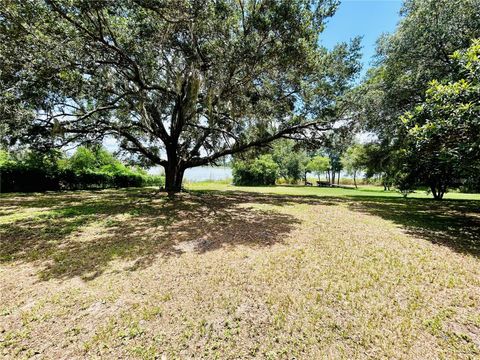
(239, 272)
(362, 191)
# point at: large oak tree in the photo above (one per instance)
(179, 83)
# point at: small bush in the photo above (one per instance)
(261, 171)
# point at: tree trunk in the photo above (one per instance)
(338, 178)
(173, 179)
(355, 179)
(438, 191)
(333, 177)
(174, 171)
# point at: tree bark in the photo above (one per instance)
(355, 179)
(438, 191)
(173, 179)
(174, 171)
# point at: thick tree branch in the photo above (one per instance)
(256, 143)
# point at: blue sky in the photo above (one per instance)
(367, 18)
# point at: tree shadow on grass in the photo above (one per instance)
(452, 223)
(82, 233)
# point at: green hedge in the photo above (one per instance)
(17, 177)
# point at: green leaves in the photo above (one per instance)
(417, 53)
(355, 158)
(175, 81)
(318, 164)
(444, 129)
(260, 171)
(421, 99)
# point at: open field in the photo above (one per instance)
(230, 272)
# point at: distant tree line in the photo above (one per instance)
(293, 162)
(88, 168)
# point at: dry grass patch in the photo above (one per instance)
(119, 274)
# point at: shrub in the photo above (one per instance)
(38, 172)
(19, 177)
(260, 171)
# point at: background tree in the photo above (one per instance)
(381, 163)
(334, 145)
(318, 165)
(29, 170)
(416, 53)
(354, 160)
(90, 158)
(179, 83)
(259, 171)
(443, 131)
(292, 160)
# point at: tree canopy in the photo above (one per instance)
(444, 130)
(291, 159)
(417, 97)
(418, 52)
(318, 165)
(177, 83)
(354, 160)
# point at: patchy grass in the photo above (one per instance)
(227, 272)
